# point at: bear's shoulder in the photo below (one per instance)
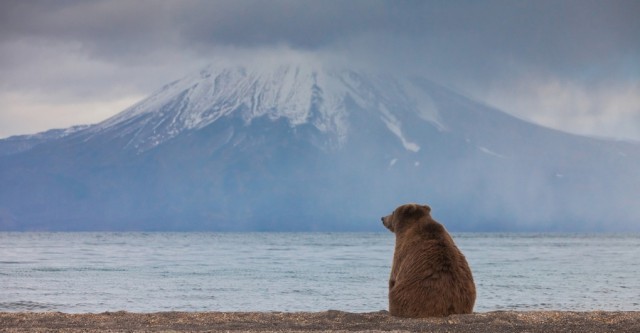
(431, 229)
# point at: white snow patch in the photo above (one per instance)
(423, 104)
(490, 152)
(394, 126)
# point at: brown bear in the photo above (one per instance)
(430, 277)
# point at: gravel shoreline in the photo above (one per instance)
(327, 321)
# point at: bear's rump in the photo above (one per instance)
(437, 295)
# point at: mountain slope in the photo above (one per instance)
(305, 147)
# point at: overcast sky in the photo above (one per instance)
(571, 65)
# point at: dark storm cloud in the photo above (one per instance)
(558, 35)
(104, 29)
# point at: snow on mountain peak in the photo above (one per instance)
(301, 92)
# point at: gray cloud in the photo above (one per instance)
(98, 49)
(564, 36)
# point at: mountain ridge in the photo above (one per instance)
(250, 148)
(297, 93)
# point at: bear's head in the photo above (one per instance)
(404, 216)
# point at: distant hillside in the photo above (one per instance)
(304, 147)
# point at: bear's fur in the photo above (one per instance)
(430, 277)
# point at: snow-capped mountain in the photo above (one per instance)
(305, 146)
(297, 93)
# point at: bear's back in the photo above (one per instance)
(430, 252)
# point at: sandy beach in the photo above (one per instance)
(328, 321)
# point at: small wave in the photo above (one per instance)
(26, 306)
(13, 262)
(79, 269)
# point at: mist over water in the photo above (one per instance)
(148, 272)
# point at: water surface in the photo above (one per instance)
(148, 272)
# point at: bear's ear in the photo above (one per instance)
(427, 208)
(413, 211)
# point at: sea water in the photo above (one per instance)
(148, 272)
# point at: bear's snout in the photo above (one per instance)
(385, 223)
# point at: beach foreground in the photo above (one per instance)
(328, 321)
